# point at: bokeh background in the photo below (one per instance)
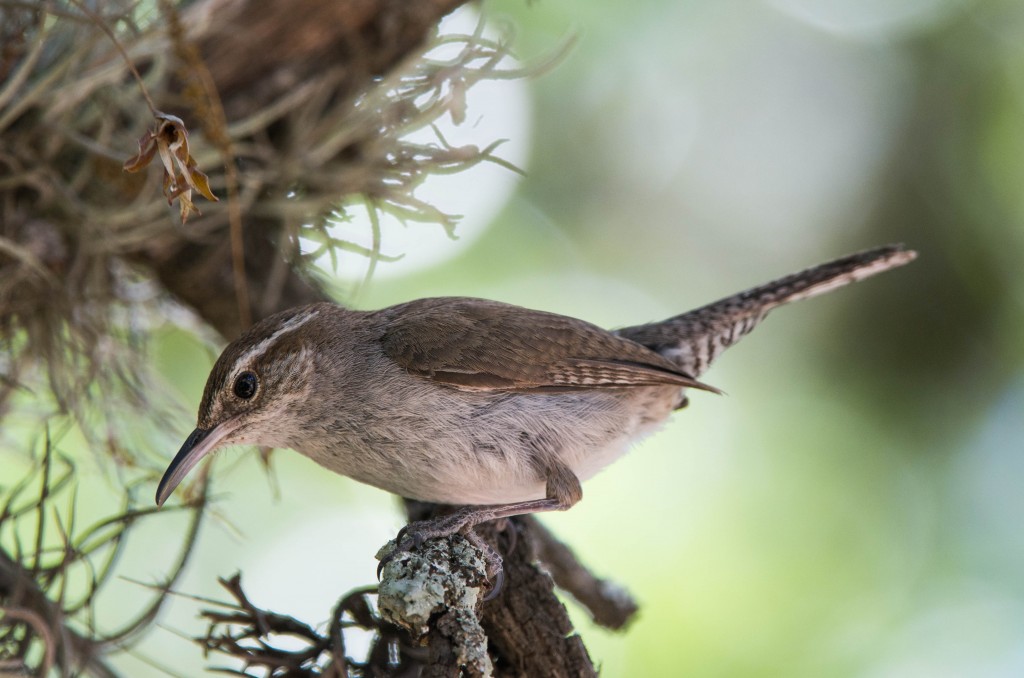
(853, 507)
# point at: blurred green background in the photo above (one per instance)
(853, 506)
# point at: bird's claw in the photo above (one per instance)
(401, 546)
(499, 582)
(412, 536)
(384, 561)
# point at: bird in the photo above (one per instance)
(494, 408)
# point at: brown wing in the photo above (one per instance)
(486, 345)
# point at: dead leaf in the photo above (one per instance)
(181, 172)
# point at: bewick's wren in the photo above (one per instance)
(472, 402)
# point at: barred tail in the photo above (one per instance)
(695, 339)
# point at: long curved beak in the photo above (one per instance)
(199, 444)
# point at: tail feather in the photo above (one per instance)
(695, 339)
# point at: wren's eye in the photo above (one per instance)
(245, 385)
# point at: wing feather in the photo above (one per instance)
(476, 344)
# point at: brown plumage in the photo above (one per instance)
(467, 401)
(479, 344)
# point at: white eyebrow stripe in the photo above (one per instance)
(291, 324)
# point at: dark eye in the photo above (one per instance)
(245, 385)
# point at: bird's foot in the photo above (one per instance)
(461, 522)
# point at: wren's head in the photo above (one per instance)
(258, 378)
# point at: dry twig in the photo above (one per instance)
(48, 619)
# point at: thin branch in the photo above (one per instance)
(42, 630)
(101, 24)
(215, 125)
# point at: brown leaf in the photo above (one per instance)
(147, 149)
(181, 172)
(201, 183)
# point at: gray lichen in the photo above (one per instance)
(437, 589)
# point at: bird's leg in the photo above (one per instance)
(562, 490)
